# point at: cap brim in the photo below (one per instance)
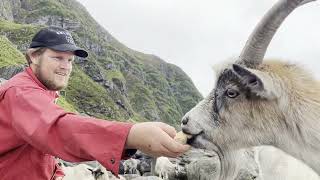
(70, 48)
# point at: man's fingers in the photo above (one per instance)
(167, 153)
(162, 151)
(168, 129)
(174, 146)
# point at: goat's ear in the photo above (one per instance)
(248, 79)
(257, 82)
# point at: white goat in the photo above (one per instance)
(83, 171)
(78, 172)
(256, 103)
(131, 166)
(277, 165)
(164, 168)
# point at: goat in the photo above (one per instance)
(277, 165)
(131, 166)
(78, 172)
(260, 103)
(165, 168)
(88, 170)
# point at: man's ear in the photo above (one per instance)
(257, 82)
(33, 57)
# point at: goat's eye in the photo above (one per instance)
(231, 93)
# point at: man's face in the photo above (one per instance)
(53, 68)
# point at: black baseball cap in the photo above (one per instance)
(58, 39)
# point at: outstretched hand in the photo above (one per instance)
(155, 139)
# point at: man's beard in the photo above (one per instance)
(49, 84)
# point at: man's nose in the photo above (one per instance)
(65, 64)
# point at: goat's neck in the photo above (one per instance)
(303, 138)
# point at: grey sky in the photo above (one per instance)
(197, 34)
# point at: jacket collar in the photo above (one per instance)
(35, 79)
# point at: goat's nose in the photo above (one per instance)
(185, 120)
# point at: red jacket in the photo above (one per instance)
(33, 129)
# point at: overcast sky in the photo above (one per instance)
(197, 34)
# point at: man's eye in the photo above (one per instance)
(56, 58)
(232, 93)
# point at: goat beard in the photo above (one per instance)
(226, 157)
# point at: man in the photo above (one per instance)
(34, 129)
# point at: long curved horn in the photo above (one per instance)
(257, 44)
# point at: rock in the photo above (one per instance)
(147, 174)
(110, 66)
(205, 165)
(95, 48)
(131, 176)
(107, 84)
(258, 163)
(6, 10)
(201, 166)
(144, 166)
(147, 178)
(51, 20)
(120, 85)
(120, 103)
(94, 71)
(8, 72)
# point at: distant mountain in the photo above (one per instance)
(115, 82)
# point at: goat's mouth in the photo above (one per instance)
(201, 141)
(191, 135)
(192, 138)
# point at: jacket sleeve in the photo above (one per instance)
(50, 129)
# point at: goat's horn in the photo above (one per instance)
(257, 44)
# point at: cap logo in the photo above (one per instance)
(67, 36)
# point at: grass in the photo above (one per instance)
(50, 7)
(89, 97)
(114, 74)
(19, 34)
(9, 55)
(62, 102)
